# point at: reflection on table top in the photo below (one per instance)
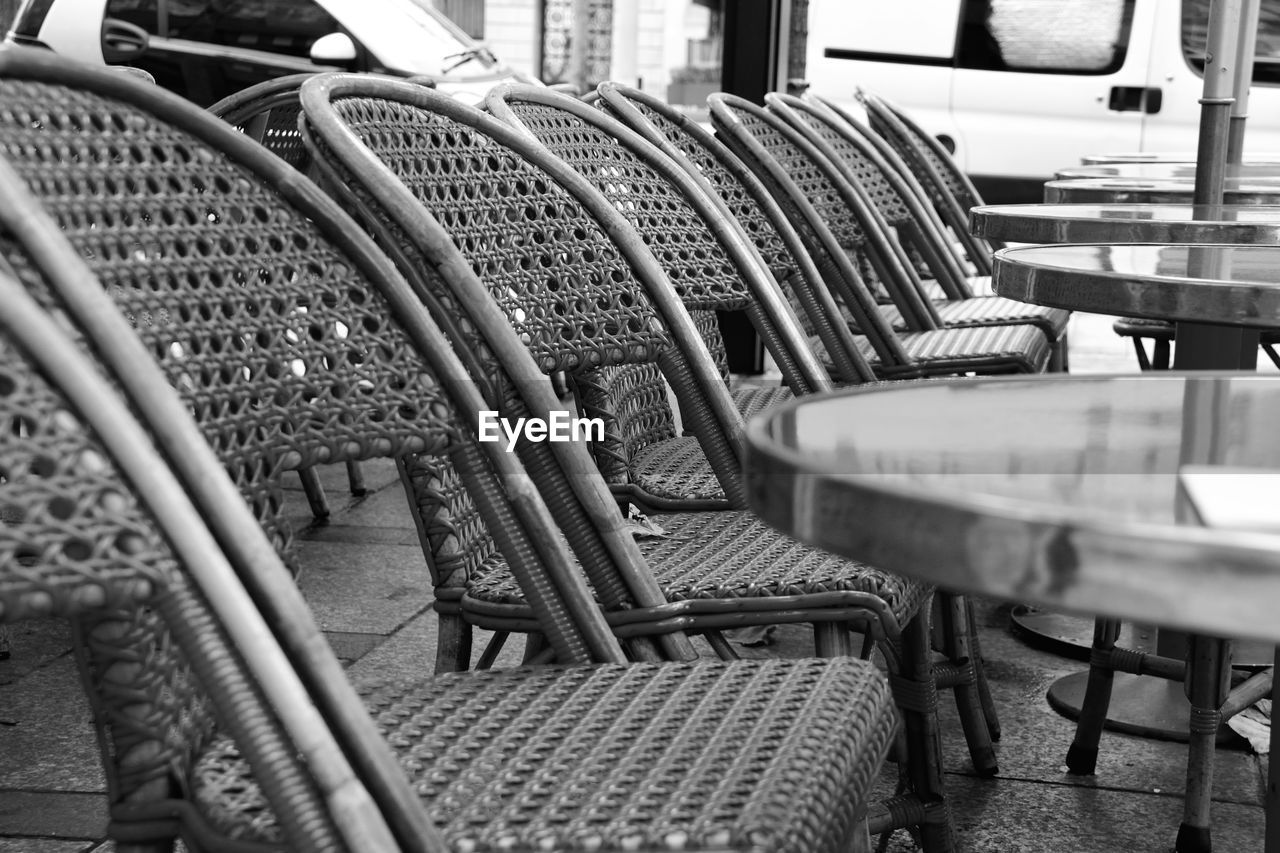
(1226, 285)
(1137, 190)
(1126, 223)
(1061, 491)
(1161, 171)
(1168, 157)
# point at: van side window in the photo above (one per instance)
(278, 26)
(1045, 36)
(141, 13)
(1266, 62)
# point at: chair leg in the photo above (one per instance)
(355, 478)
(453, 643)
(917, 699)
(1059, 361)
(315, 492)
(962, 663)
(1140, 351)
(1161, 356)
(1208, 671)
(1082, 756)
(980, 674)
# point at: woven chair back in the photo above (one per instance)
(289, 337)
(774, 236)
(703, 249)
(268, 113)
(814, 193)
(899, 199)
(447, 187)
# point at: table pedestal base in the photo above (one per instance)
(1071, 636)
(1140, 705)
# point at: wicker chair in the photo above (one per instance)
(697, 240)
(722, 174)
(952, 192)
(917, 244)
(523, 242)
(817, 198)
(268, 113)
(706, 158)
(330, 355)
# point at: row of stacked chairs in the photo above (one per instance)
(201, 317)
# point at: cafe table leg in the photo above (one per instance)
(1271, 799)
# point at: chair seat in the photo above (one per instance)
(674, 474)
(730, 564)
(990, 311)
(747, 755)
(982, 349)
(979, 284)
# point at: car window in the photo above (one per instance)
(1266, 63)
(279, 26)
(139, 12)
(409, 37)
(1045, 36)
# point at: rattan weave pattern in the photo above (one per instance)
(745, 209)
(190, 246)
(72, 538)
(918, 153)
(470, 184)
(697, 264)
(810, 181)
(584, 759)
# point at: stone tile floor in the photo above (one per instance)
(365, 579)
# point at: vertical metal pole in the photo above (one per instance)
(1219, 95)
(1245, 49)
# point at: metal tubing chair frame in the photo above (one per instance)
(415, 235)
(826, 195)
(914, 231)
(721, 173)
(46, 252)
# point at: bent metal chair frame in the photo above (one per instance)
(268, 113)
(444, 186)
(722, 174)
(951, 190)
(917, 238)
(333, 322)
(812, 191)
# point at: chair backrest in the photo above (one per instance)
(812, 191)
(696, 238)
(932, 164)
(707, 159)
(96, 530)
(268, 113)
(288, 335)
(922, 246)
(447, 187)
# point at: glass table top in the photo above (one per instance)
(1126, 223)
(1228, 285)
(1157, 191)
(1062, 491)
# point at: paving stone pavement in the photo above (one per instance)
(365, 579)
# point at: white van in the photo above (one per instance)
(1021, 88)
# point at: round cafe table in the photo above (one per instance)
(1126, 223)
(1157, 191)
(1168, 171)
(1166, 157)
(1085, 494)
(1118, 223)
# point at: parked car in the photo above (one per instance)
(1021, 89)
(208, 49)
